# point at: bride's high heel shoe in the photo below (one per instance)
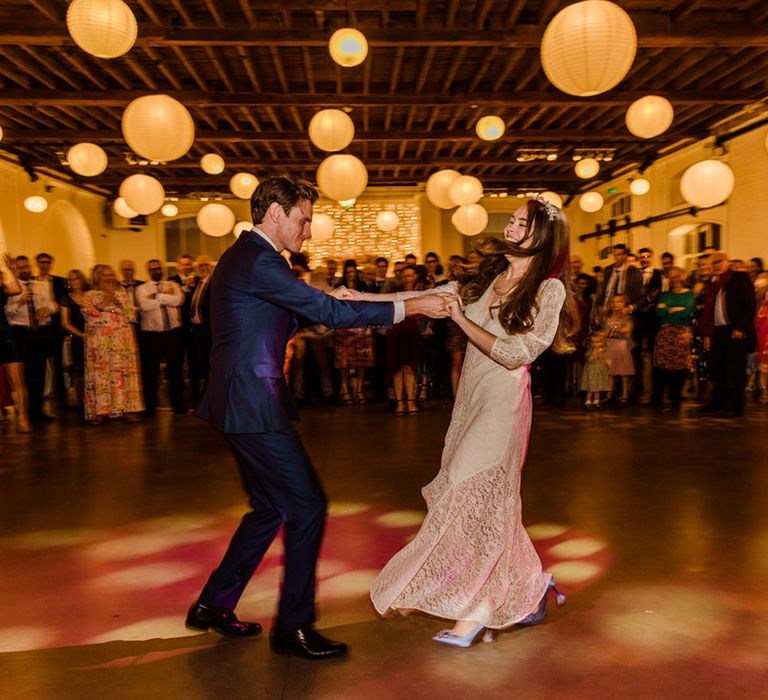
(455, 640)
(541, 612)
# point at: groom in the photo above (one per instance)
(257, 305)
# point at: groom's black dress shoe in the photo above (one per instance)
(223, 620)
(306, 643)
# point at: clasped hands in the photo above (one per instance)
(437, 305)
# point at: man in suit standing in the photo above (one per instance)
(57, 289)
(200, 327)
(729, 320)
(646, 321)
(257, 304)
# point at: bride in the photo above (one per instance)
(472, 561)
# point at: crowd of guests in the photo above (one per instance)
(708, 328)
(101, 338)
(97, 343)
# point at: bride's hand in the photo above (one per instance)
(454, 310)
(345, 294)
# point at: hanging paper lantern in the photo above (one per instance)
(439, 186)
(342, 176)
(470, 219)
(322, 227)
(212, 163)
(142, 193)
(243, 185)
(215, 220)
(348, 47)
(591, 202)
(36, 204)
(587, 168)
(588, 47)
(122, 209)
(331, 130)
(649, 116)
(490, 128)
(1, 133)
(639, 186)
(169, 210)
(387, 221)
(158, 127)
(87, 159)
(707, 183)
(102, 28)
(465, 189)
(553, 198)
(241, 227)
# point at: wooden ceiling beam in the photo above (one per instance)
(204, 98)
(653, 30)
(556, 135)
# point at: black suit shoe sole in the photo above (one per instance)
(222, 631)
(334, 654)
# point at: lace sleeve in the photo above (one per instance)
(512, 351)
(452, 286)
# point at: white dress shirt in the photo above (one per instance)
(17, 312)
(399, 313)
(168, 296)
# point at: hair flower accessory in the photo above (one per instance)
(549, 209)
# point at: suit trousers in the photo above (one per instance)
(198, 353)
(728, 369)
(32, 346)
(284, 490)
(156, 347)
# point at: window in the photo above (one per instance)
(183, 236)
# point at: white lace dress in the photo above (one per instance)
(472, 559)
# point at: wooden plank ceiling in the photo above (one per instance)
(253, 72)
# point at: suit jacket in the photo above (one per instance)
(256, 302)
(204, 304)
(185, 321)
(632, 285)
(650, 293)
(740, 304)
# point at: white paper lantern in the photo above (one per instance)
(122, 209)
(1, 133)
(36, 204)
(552, 197)
(331, 130)
(639, 186)
(707, 183)
(241, 227)
(587, 168)
(348, 47)
(465, 189)
(142, 193)
(243, 185)
(588, 47)
(158, 127)
(322, 227)
(103, 28)
(342, 176)
(649, 116)
(490, 128)
(87, 159)
(439, 187)
(169, 210)
(470, 219)
(591, 202)
(387, 221)
(212, 163)
(215, 220)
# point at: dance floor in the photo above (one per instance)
(656, 528)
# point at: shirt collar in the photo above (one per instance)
(265, 237)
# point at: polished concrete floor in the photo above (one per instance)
(655, 526)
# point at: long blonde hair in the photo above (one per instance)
(546, 243)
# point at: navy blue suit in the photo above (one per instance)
(256, 307)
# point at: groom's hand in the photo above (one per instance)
(345, 294)
(432, 305)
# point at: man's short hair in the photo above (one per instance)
(667, 255)
(411, 255)
(621, 246)
(185, 255)
(645, 250)
(380, 259)
(432, 255)
(286, 192)
(22, 258)
(43, 255)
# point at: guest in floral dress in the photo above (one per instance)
(112, 378)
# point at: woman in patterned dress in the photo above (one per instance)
(112, 378)
(472, 561)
